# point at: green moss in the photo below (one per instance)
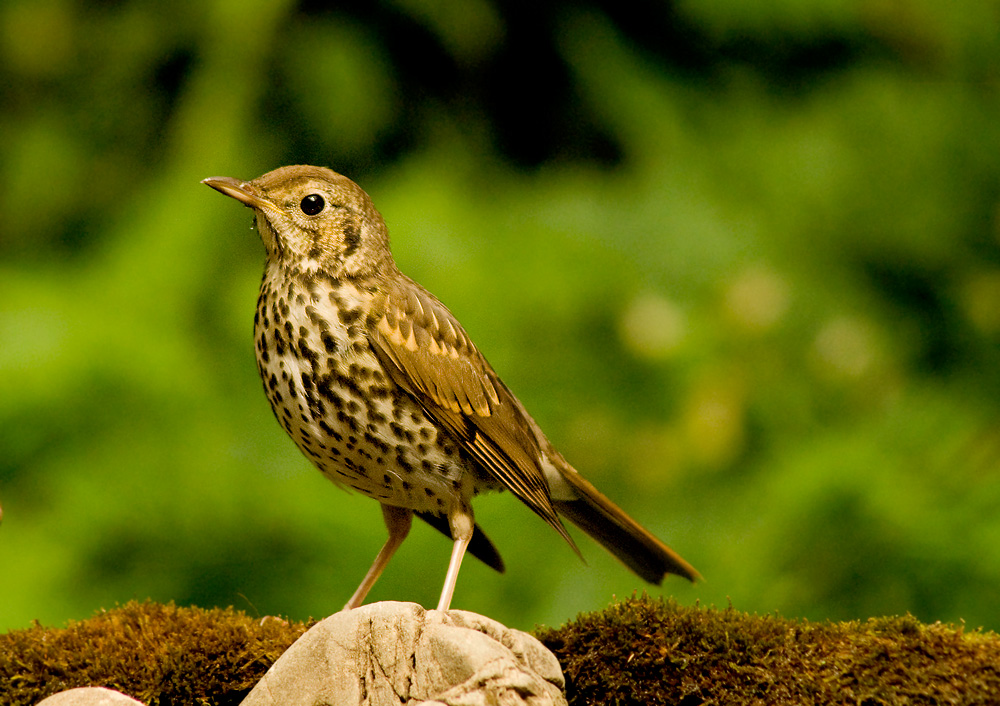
(637, 651)
(159, 654)
(657, 652)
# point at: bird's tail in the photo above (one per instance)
(632, 543)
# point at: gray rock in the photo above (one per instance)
(398, 653)
(89, 696)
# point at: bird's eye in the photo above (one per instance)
(312, 204)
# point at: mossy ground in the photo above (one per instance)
(644, 651)
(159, 654)
(638, 651)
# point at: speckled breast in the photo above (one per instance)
(329, 392)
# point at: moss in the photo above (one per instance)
(159, 654)
(637, 651)
(657, 652)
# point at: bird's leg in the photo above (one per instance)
(462, 525)
(397, 521)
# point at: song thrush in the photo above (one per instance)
(382, 389)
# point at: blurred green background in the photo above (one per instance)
(741, 262)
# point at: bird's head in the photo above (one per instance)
(311, 218)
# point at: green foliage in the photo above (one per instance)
(741, 264)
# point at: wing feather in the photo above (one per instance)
(427, 353)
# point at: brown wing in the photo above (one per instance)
(427, 353)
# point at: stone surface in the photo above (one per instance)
(398, 653)
(89, 696)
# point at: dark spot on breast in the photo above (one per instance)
(347, 421)
(352, 238)
(348, 316)
(329, 343)
(307, 353)
(376, 442)
(262, 347)
(401, 459)
(345, 381)
(327, 392)
(356, 372)
(317, 320)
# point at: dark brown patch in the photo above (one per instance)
(352, 238)
(349, 316)
(327, 392)
(279, 343)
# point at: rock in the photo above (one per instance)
(89, 696)
(399, 653)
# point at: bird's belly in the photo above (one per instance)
(363, 432)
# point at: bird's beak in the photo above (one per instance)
(243, 191)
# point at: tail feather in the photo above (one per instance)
(632, 543)
(480, 547)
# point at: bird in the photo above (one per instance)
(382, 389)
